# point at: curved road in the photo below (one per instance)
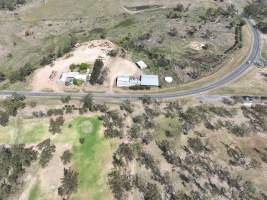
(236, 73)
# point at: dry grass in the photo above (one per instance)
(253, 83)
(264, 50)
(225, 69)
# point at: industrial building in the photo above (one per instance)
(144, 80)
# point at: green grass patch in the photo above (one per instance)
(91, 159)
(35, 192)
(32, 135)
(125, 23)
(23, 131)
(167, 128)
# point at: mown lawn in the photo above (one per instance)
(91, 159)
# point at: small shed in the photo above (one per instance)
(150, 80)
(141, 64)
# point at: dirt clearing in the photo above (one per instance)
(85, 53)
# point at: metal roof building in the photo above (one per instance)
(144, 80)
(127, 81)
(150, 80)
(72, 75)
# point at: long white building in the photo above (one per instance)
(144, 80)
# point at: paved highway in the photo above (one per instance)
(254, 54)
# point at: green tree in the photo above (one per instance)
(88, 103)
(96, 71)
(47, 152)
(12, 104)
(55, 125)
(69, 183)
(66, 157)
(4, 118)
(21, 74)
(66, 99)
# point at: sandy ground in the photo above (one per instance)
(197, 46)
(49, 177)
(120, 66)
(85, 53)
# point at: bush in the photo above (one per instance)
(47, 152)
(4, 118)
(113, 52)
(2, 77)
(55, 125)
(87, 103)
(83, 67)
(13, 160)
(77, 82)
(262, 26)
(66, 157)
(66, 99)
(120, 183)
(47, 60)
(12, 104)
(21, 74)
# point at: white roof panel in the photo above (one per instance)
(150, 80)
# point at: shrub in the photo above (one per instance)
(87, 103)
(21, 74)
(55, 125)
(47, 152)
(2, 77)
(66, 157)
(12, 104)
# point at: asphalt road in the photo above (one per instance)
(254, 54)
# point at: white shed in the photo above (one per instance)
(141, 64)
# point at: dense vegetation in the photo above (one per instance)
(11, 4)
(13, 161)
(21, 74)
(69, 183)
(194, 167)
(96, 73)
(10, 107)
(186, 139)
(258, 11)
